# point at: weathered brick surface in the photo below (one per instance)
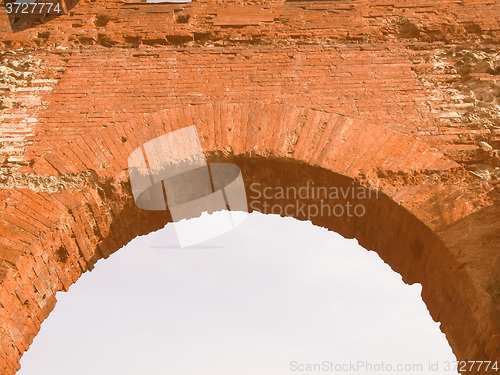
(393, 95)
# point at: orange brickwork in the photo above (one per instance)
(401, 96)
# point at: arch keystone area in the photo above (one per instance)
(74, 206)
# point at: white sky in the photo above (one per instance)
(252, 301)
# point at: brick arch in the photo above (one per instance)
(73, 206)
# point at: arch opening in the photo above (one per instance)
(401, 240)
(293, 297)
(96, 215)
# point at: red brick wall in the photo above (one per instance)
(396, 95)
